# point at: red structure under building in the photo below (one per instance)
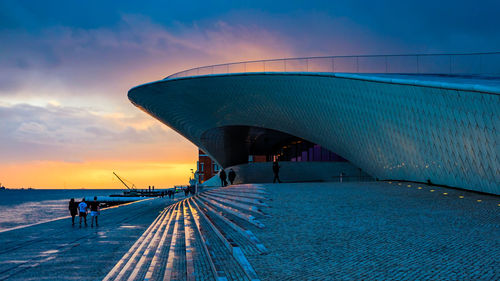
(207, 168)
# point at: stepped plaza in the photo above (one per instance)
(294, 231)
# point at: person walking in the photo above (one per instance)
(94, 212)
(73, 210)
(231, 176)
(82, 211)
(223, 177)
(276, 171)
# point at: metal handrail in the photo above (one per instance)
(485, 63)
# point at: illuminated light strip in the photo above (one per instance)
(160, 248)
(189, 241)
(169, 270)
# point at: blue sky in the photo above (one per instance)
(66, 66)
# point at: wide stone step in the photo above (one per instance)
(239, 194)
(141, 267)
(201, 238)
(125, 265)
(205, 262)
(222, 258)
(235, 205)
(198, 261)
(229, 233)
(235, 224)
(243, 222)
(238, 198)
(235, 212)
(176, 263)
(232, 245)
(156, 267)
(261, 192)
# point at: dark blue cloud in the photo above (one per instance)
(416, 18)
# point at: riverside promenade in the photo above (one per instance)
(57, 250)
(300, 231)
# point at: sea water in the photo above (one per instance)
(20, 207)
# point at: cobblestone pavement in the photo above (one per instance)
(378, 231)
(57, 251)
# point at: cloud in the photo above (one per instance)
(64, 74)
(64, 88)
(58, 133)
(108, 60)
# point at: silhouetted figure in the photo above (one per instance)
(73, 210)
(94, 212)
(231, 176)
(186, 192)
(276, 171)
(222, 176)
(82, 211)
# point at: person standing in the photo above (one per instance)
(94, 212)
(82, 211)
(231, 176)
(276, 171)
(73, 210)
(223, 177)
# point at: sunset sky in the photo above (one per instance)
(66, 67)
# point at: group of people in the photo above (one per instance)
(170, 193)
(188, 190)
(81, 209)
(231, 176)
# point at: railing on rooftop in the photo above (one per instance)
(449, 64)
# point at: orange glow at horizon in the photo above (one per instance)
(86, 128)
(95, 175)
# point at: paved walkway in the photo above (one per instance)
(304, 231)
(378, 231)
(56, 250)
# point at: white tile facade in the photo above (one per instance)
(391, 131)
